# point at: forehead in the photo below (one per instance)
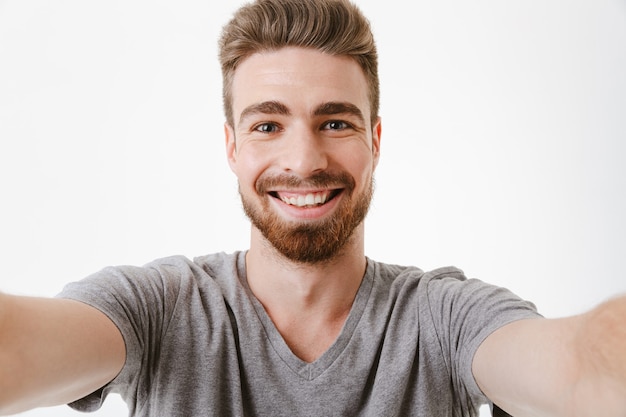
(300, 78)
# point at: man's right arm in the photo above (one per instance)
(54, 351)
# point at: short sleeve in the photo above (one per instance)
(464, 312)
(139, 301)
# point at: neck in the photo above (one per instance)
(275, 279)
(306, 302)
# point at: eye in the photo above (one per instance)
(336, 125)
(266, 128)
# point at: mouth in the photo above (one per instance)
(306, 199)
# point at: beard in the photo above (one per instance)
(310, 242)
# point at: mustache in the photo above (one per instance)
(323, 179)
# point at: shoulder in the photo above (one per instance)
(178, 267)
(445, 291)
(409, 287)
(412, 276)
(171, 275)
(221, 263)
(392, 271)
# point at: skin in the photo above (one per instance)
(554, 361)
(55, 351)
(572, 366)
(307, 302)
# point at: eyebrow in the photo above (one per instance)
(324, 109)
(333, 107)
(266, 107)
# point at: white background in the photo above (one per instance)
(504, 139)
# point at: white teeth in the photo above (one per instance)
(306, 200)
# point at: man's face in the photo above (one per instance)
(303, 149)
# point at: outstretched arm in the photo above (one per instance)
(54, 351)
(572, 366)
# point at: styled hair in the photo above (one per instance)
(335, 27)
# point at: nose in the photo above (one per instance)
(304, 153)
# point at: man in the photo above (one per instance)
(303, 323)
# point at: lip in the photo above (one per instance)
(306, 213)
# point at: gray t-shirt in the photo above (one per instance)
(200, 344)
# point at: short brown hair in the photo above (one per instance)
(336, 27)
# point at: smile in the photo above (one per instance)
(311, 199)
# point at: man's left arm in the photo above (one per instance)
(573, 366)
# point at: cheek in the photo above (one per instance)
(249, 166)
(360, 165)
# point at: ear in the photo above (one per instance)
(231, 146)
(376, 133)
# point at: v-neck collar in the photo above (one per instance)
(312, 370)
